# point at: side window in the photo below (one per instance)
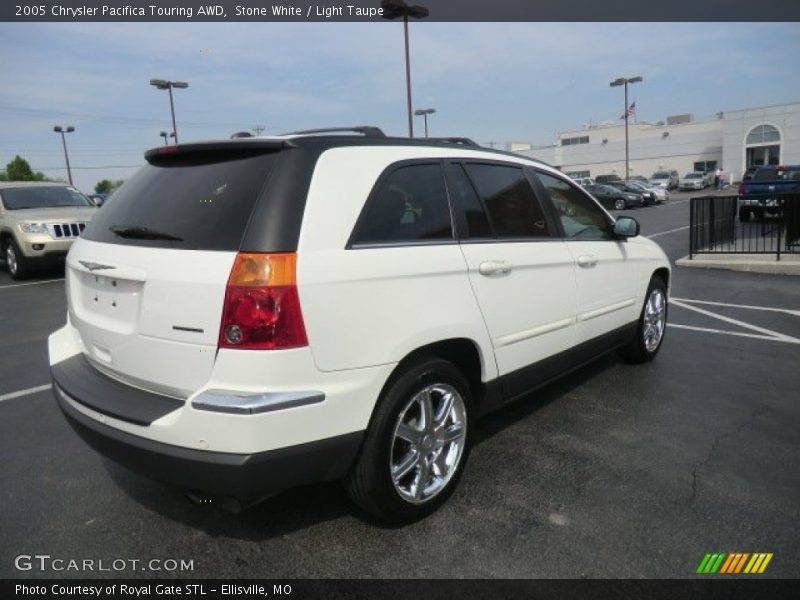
(513, 207)
(580, 216)
(466, 200)
(409, 205)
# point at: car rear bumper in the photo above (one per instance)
(242, 476)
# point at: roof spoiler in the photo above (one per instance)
(253, 145)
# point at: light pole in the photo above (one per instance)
(62, 131)
(163, 84)
(624, 81)
(166, 135)
(392, 9)
(424, 112)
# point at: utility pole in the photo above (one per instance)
(62, 131)
(624, 81)
(258, 129)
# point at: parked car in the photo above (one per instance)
(39, 221)
(693, 181)
(648, 196)
(748, 174)
(665, 179)
(611, 197)
(606, 178)
(639, 178)
(660, 194)
(584, 181)
(767, 183)
(278, 311)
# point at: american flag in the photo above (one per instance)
(631, 110)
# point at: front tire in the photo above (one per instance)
(18, 265)
(620, 204)
(416, 447)
(652, 325)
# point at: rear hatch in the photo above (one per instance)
(146, 282)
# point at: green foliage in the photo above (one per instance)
(106, 186)
(20, 170)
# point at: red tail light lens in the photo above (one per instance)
(262, 307)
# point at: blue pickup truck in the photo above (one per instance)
(760, 195)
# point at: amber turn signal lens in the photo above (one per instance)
(264, 270)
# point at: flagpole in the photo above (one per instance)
(624, 81)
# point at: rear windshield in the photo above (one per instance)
(661, 176)
(42, 197)
(193, 202)
(777, 174)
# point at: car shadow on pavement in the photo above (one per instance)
(296, 509)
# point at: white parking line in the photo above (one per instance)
(766, 333)
(14, 285)
(652, 235)
(789, 311)
(28, 392)
(736, 333)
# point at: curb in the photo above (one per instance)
(747, 263)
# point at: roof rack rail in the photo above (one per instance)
(365, 130)
(461, 141)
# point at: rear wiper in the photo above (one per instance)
(142, 233)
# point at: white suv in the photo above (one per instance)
(255, 314)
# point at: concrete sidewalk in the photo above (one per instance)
(789, 264)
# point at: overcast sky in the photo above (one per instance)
(490, 81)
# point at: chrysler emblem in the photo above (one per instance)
(93, 266)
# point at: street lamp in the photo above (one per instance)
(624, 81)
(165, 135)
(163, 84)
(62, 131)
(424, 112)
(392, 9)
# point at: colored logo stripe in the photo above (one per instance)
(734, 563)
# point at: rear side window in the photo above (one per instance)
(408, 205)
(468, 203)
(198, 201)
(513, 208)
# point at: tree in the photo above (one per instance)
(106, 186)
(20, 170)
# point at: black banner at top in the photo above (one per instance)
(371, 10)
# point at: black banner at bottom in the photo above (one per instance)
(377, 589)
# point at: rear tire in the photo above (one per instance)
(651, 327)
(620, 204)
(19, 267)
(413, 457)
(744, 215)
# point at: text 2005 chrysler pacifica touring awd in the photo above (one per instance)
(254, 314)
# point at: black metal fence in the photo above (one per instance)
(748, 224)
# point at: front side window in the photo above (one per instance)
(409, 205)
(513, 207)
(580, 216)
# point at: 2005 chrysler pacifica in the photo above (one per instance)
(253, 314)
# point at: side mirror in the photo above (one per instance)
(626, 227)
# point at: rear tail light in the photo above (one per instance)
(262, 307)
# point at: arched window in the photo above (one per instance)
(763, 134)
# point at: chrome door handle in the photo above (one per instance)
(494, 267)
(587, 260)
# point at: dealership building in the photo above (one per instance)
(731, 140)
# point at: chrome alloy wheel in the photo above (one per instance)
(11, 259)
(655, 319)
(428, 443)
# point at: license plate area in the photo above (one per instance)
(106, 301)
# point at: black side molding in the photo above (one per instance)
(88, 386)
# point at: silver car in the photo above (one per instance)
(693, 181)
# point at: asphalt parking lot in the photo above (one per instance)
(617, 471)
